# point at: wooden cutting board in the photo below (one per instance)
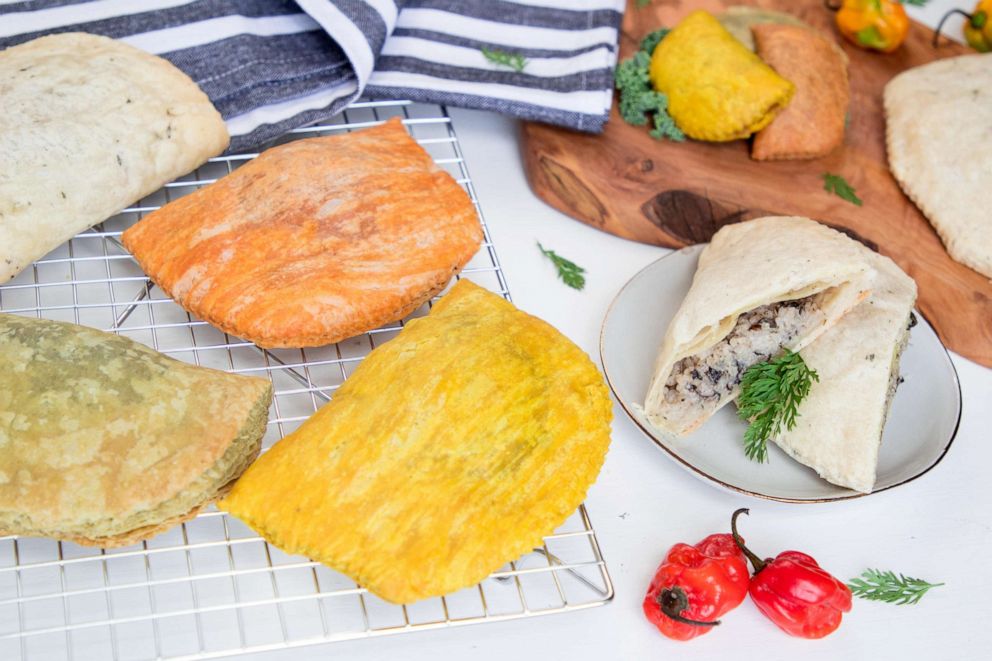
(676, 194)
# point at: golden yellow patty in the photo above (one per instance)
(717, 89)
(453, 449)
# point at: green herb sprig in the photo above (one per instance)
(770, 396)
(887, 586)
(641, 4)
(515, 61)
(569, 272)
(638, 98)
(836, 184)
(915, 3)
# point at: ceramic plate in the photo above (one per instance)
(920, 428)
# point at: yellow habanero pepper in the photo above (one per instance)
(873, 24)
(977, 26)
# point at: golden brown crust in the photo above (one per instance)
(313, 241)
(812, 125)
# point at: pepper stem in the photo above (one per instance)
(757, 562)
(673, 601)
(940, 26)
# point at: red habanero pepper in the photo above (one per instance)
(695, 585)
(794, 592)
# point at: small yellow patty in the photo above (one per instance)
(717, 89)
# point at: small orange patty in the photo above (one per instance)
(314, 241)
(813, 123)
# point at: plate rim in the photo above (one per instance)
(741, 490)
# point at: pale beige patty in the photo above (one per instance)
(89, 125)
(939, 128)
(750, 269)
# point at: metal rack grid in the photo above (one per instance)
(211, 587)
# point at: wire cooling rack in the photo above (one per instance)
(211, 587)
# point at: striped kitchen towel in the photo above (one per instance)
(273, 65)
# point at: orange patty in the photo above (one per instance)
(812, 125)
(313, 241)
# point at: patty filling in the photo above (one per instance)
(758, 335)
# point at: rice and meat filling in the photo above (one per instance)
(758, 335)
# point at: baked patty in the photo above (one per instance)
(314, 241)
(106, 442)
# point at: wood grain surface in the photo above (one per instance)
(676, 194)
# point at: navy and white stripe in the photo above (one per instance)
(272, 65)
(435, 54)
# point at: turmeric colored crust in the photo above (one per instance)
(314, 241)
(452, 450)
(717, 89)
